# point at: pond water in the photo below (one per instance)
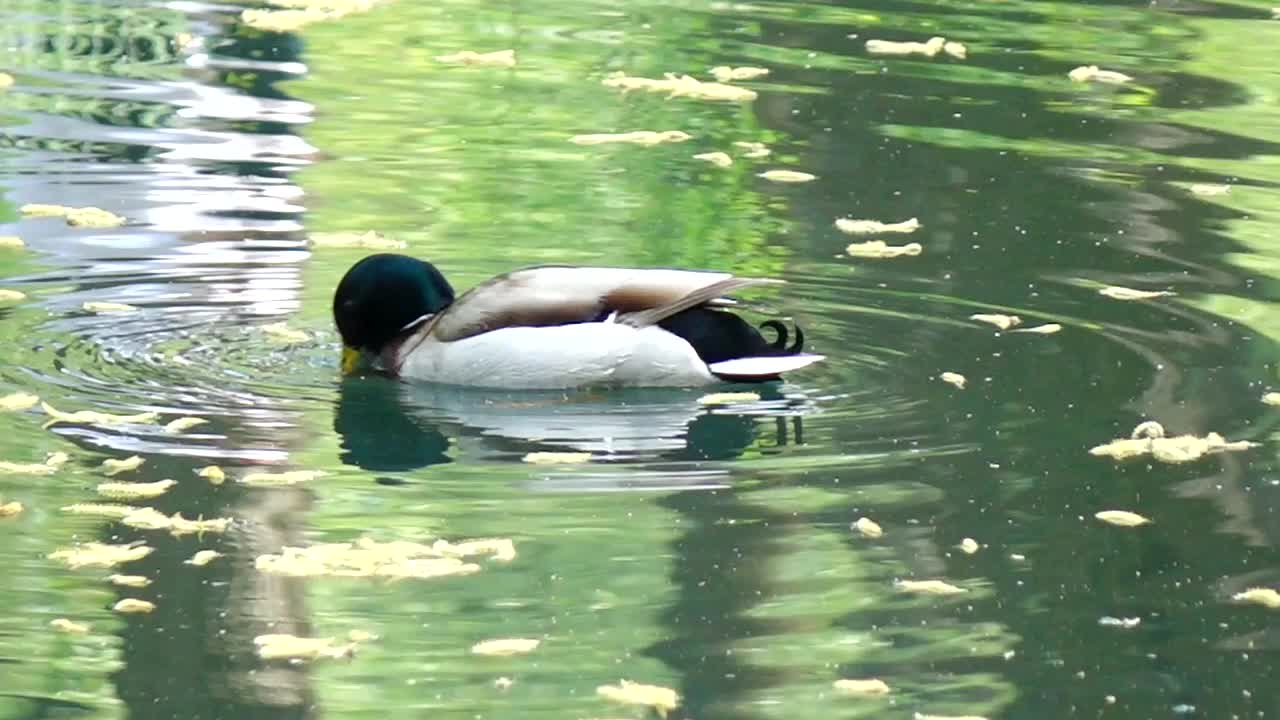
(710, 550)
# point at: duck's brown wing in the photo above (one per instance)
(559, 295)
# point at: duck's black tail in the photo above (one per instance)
(736, 351)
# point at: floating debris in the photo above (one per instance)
(12, 242)
(52, 462)
(881, 249)
(1149, 438)
(1123, 623)
(135, 491)
(130, 581)
(868, 527)
(636, 137)
(872, 686)
(151, 519)
(1046, 329)
(556, 458)
(930, 48)
(1271, 398)
(69, 626)
(787, 176)
(498, 58)
(503, 683)
(753, 149)
(1091, 73)
(719, 159)
(91, 217)
(133, 605)
(7, 295)
(724, 73)
(1122, 518)
(111, 466)
(1265, 597)
(953, 378)
(94, 554)
(1209, 190)
(505, 647)
(969, 546)
(929, 587)
(728, 398)
(213, 474)
(183, 424)
(680, 86)
(17, 402)
(202, 558)
(396, 559)
(662, 700)
(10, 509)
(291, 647)
(105, 510)
(1116, 292)
(108, 307)
(872, 227)
(290, 477)
(370, 240)
(1004, 322)
(281, 331)
(93, 417)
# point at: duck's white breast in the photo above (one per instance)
(560, 356)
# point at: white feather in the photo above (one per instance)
(764, 366)
(561, 356)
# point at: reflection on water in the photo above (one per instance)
(708, 549)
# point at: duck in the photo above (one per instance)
(549, 327)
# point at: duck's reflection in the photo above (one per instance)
(388, 425)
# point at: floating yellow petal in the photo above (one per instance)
(873, 686)
(18, 401)
(930, 48)
(787, 176)
(291, 647)
(881, 249)
(131, 581)
(556, 458)
(498, 58)
(106, 510)
(872, 227)
(969, 546)
(52, 462)
(93, 417)
(183, 424)
(505, 646)
(282, 331)
(133, 605)
(728, 398)
(1149, 437)
(213, 474)
(203, 557)
(282, 21)
(953, 378)
(1209, 189)
(7, 295)
(397, 559)
(1004, 322)
(681, 86)
(1271, 398)
(753, 149)
(1091, 73)
(369, 241)
(1116, 292)
(68, 626)
(724, 73)
(868, 527)
(636, 137)
(291, 477)
(111, 466)
(1046, 329)
(662, 700)
(1259, 596)
(108, 307)
(79, 217)
(929, 587)
(135, 491)
(10, 509)
(1123, 518)
(719, 159)
(94, 554)
(11, 241)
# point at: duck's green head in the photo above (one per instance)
(381, 297)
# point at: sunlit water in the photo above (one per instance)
(705, 549)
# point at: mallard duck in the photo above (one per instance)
(556, 326)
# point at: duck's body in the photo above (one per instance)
(556, 327)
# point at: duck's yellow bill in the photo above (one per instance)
(350, 359)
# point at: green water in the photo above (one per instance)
(705, 550)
